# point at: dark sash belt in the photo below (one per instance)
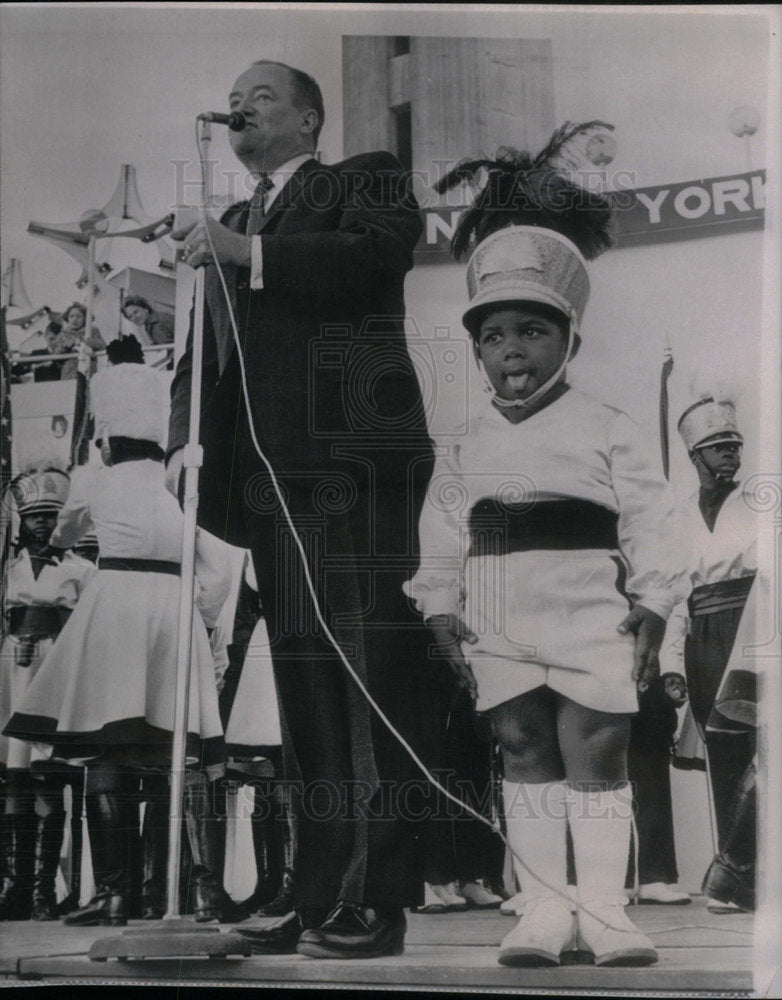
(726, 595)
(497, 529)
(140, 565)
(37, 620)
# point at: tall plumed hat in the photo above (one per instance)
(40, 492)
(711, 419)
(531, 228)
(130, 400)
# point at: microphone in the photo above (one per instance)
(236, 121)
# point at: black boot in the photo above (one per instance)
(729, 754)
(266, 849)
(287, 829)
(48, 841)
(154, 841)
(731, 875)
(19, 854)
(206, 835)
(108, 817)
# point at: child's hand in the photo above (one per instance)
(449, 631)
(649, 631)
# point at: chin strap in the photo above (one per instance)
(549, 384)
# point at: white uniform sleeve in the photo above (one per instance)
(213, 576)
(438, 586)
(74, 518)
(650, 532)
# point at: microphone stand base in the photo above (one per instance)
(175, 938)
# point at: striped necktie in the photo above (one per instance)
(256, 214)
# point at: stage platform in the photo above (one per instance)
(698, 952)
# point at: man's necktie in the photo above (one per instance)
(257, 213)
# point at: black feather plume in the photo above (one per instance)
(522, 190)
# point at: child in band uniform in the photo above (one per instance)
(548, 564)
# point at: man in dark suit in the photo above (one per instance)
(315, 263)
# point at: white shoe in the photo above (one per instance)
(442, 899)
(659, 892)
(542, 934)
(479, 895)
(605, 929)
(514, 907)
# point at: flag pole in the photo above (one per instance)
(665, 374)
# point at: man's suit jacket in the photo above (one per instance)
(323, 343)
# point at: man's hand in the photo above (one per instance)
(173, 471)
(230, 247)
(449, 631)
(649, 631)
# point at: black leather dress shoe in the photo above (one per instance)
(281, 937)
(107, 909)
(730, 883)
(352, 931)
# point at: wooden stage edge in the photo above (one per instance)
(699, 952)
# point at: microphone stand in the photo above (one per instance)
(175, 936)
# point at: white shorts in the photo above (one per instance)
(550, 618)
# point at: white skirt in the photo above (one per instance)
(255, 717)
(14, 681)
(550, 618)
(110, 678)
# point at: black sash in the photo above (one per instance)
(140, 565)
(497, 528)
(721, 596)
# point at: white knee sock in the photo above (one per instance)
(600, 825)
(536, 820)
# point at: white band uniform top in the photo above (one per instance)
(574, 448)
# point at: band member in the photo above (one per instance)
(105, 692)
(723, 530)
(44, 584)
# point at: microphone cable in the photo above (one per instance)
(316, 604)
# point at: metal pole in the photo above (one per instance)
(90, 288)
(192, 460)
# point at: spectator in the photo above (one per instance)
(73, 336)
(154, 327)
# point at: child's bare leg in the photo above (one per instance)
(526, 729)
(593, 745)
(536, 821)
(594, 751)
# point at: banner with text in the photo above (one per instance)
(660, 214)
